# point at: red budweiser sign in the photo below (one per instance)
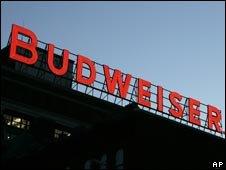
(118, 84)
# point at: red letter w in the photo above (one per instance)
(116, 79)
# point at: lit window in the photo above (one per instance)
(60, 133)
(17, 122)
(8, 119)
(66, 134)
(10, 136)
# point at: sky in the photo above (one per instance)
(178, 45)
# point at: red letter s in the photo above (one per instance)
(177, 110)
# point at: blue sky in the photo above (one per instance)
(179, 45)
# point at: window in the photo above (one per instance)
(10, 136)
(92, 164)
(119, 159)
(8, 119)
(60, 133)
(17, 122)
(103, 162)
(96, 163)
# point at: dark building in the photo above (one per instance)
(47, 124)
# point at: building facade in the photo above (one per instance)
(47, 123)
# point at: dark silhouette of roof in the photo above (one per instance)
(149, 141)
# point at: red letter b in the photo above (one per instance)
(15, 42)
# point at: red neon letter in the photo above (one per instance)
(177, 111)
(79, 77)
(144, 94)
(159, 98)
(116, 79)
(194, 113)
(214, 119)
(15, 42)
(58, 71)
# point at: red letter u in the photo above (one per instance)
(58, 71)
